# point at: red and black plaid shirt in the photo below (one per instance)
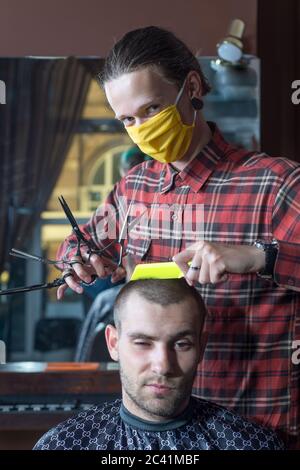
(252, 322)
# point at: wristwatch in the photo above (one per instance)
(271, 251)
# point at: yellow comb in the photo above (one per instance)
(166, 270)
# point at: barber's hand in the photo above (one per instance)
(210, 262)
(83, 272)
(118, 274)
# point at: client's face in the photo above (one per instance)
(158, 351)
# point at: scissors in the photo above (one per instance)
(81, 241)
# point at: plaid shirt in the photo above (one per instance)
(252, 322)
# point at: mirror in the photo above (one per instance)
(59, 136)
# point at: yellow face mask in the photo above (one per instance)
(164, 136)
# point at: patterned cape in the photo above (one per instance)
(203, 426)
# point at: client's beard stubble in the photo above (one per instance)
(158, 406)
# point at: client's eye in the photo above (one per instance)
(141, 343)
(183, 345)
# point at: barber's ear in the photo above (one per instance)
(203, 342)
(195, 85)
(112, 337)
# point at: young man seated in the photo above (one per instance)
(158, 341)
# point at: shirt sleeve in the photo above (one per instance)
(286, 230)
(102, 228)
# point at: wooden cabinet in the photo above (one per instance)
(37, 396)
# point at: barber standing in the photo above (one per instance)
(245, 253)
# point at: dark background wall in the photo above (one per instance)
(89, 27)
(278, 47)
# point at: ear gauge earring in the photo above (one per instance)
(197, 103)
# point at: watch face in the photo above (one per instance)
(271, 250)
(259, 244)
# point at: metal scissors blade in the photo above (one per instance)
(24, 255)
(124, 228)
(70, 217)
(48, 285)
(27, 256)
(73, 222)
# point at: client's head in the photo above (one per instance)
(158, 341)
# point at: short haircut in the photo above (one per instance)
(161, 292)
(152, 47)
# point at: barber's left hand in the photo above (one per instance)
(118, 275)
(213, 261)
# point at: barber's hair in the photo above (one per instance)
(152, 47)
(161, 292)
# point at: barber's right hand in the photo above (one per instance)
(83, 272)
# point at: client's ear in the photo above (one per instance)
(112, 337)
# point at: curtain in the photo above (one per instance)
(44, 102)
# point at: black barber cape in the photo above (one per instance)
(203, 426)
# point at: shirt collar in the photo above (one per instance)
(200, 168)
(144, 425)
